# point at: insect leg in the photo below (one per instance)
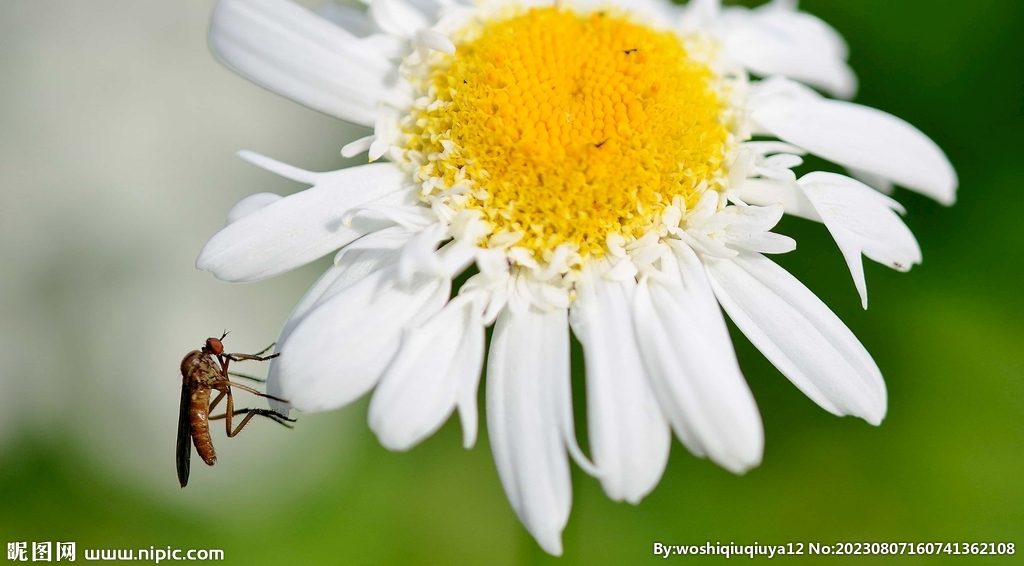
(224, 360)
(255, 392)
(261, 412)
(265, 350)
(253, 357)
(241, 425)
(229, 413)
(220, 396)
(244, 376)
(272, 415)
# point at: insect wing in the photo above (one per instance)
(183, 452)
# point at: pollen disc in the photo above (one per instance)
(566, 127)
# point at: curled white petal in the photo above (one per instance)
(862, 221)
(800, 335)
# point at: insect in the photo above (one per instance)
(202, 372)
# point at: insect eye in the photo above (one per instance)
(214, 345)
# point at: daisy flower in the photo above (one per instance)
(609, 168)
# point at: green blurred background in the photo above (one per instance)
(117, 131)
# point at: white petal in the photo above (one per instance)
(693, 368)
(766, 192)
(773, 41)
(528, 358)
(434, 9)
(430, 39)
(302, 227)
(249, 205)
(278, 168)
(877, 182)
(749, 230)
(424, 382)
(287, 49)
(418, 255)
(700, 15)
(862, 221)
(765, 148)
(467, 368)
(859, 137)
(352, 268)
(629, 437)
(361, 145)
(411, 216)
(388, 46)
(339, 351)
(397, 17)
(353, 19)
(800, 335)
(824, 36)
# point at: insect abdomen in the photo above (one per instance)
(199, 418)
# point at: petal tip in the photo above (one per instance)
(876, 417)
(740, 464)
(391, 441)
(206, 262)
(550, 542)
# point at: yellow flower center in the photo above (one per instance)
(567, 128)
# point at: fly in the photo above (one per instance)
(202, 372)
